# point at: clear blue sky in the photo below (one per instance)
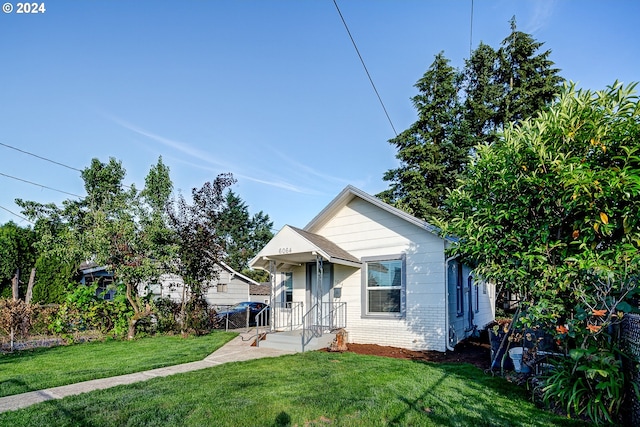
(269, 90)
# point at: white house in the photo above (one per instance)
(229, 288)
(384, 277)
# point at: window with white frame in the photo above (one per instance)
(287, 287)
(383, 285)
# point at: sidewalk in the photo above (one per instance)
(235, 350)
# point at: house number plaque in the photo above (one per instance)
(284, 250)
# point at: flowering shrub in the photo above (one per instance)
(550, 211)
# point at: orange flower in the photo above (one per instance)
(562, 329)
(600, 312)
(594, 328)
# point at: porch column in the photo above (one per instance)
(319, 286)
(272, 309)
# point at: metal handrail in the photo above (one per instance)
(336, 314)
(307, 328)
(261, 320)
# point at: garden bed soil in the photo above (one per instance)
(48, 341)
(475, 351)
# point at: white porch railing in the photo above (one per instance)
(287, 316)
(334, 315)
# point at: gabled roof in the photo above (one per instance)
(293, 246)
(241, 276)
(330, 249)
(348, 194)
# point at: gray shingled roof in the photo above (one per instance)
(331, 249)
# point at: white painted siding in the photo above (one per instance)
(171, 286)
(365, 230)
(232, 290)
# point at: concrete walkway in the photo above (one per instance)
(234, 351)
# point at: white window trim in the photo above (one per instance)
(285, 275)
(365, 290)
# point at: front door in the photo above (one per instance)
(320, 296)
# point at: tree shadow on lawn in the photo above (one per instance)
(483, 401)
(69, 417)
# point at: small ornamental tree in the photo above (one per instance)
(551, 211)
(200, 245)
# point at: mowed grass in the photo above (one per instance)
(311, 389)
(42, 368)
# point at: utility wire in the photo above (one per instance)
(15, 214)
(39, 185)
(365, 67)
(40, 157)
(48, 160)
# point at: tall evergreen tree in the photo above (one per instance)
(244, 235)
(483, 92)
(458, 110)
(426, 150)
(529, 80)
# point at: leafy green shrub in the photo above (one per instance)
(590, 382)
(83, 310)
(167, 313)
(42, 317)
(200, 318)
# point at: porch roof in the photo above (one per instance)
(293, 246)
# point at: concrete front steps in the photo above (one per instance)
(292, 341)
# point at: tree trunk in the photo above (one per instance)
(131, 334)
(14, 285)
(183, 313)
(32, 279)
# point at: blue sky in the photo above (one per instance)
(269, 90)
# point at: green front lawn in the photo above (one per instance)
(42, 368)
(311, 389)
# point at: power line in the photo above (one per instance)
(40, 157)
(15, 214)
(39, 185)
(365, 68)
(51, 161)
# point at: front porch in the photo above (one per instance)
(305, 299)
(295, 329)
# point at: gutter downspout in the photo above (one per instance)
(446, 302)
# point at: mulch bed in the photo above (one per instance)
(475, 351)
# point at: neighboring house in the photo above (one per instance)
(384, 276)
(92, 273)
(260, 293)
(229, 288)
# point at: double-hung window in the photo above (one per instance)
(287, 287)
(383, 286)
